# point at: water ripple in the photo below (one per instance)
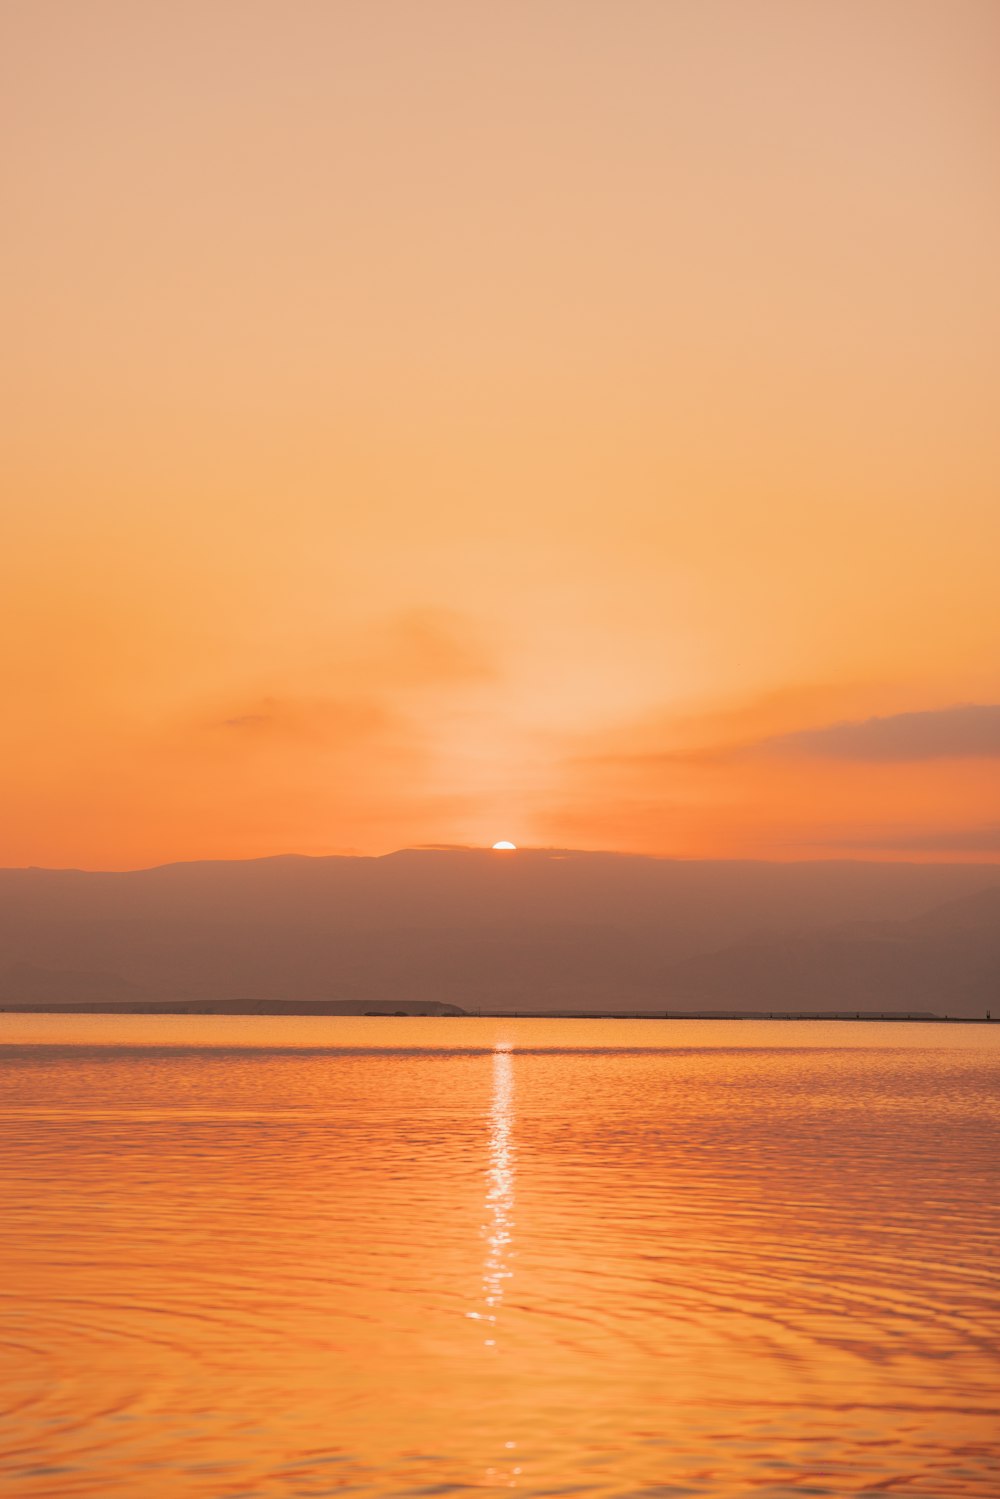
(612, 1270)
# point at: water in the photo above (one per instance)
(417, 1257)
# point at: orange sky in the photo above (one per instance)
(461, 420)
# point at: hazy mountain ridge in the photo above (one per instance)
(538, 929)
(947, 960)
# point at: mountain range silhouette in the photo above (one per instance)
(539, 929)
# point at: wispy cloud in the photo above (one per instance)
(323, 719)
(970, 730)
(792, 775)
(428, 646)
(976, 840)
(371, 686)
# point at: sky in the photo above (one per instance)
(567, 422)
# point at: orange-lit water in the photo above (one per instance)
(437, 1256)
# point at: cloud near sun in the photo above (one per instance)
(916, 783)
(969, 731)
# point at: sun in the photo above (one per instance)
(504, 844)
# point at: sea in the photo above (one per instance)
(244, 1258)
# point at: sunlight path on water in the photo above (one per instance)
(500, 1196)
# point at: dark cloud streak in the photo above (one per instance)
(982, 840)
(969, 731)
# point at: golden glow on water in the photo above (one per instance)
(499, 1228)
(413, 1256)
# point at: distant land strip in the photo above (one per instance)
(417, 1008)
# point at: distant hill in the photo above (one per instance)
(946, 960)
(536, 929)
(227, 1007)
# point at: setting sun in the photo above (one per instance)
(505, 844)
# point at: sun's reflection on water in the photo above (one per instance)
(498, 1225)
(498, 1230)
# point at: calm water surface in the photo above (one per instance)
(419, 1257)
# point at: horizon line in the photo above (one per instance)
(553, 852)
